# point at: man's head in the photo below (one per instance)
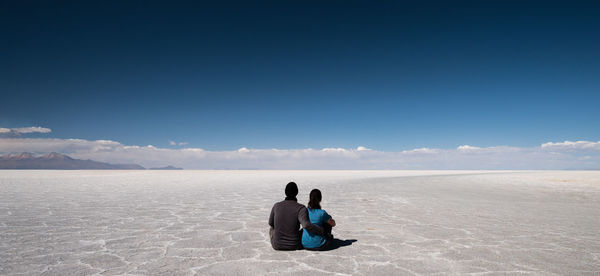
(291, 190)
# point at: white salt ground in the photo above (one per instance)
(215, 222)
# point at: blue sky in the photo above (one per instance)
(389, 76)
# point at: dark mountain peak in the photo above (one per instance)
(21, 156)
(57, 161)
(56, 156)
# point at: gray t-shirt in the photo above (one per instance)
(285, 220)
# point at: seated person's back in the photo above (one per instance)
(285, 233)
(285, 220)
(319, 217)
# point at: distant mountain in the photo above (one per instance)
(57, 161)
(166, 168)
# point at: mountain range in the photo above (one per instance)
(58, 161)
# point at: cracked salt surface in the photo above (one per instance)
(215, 222)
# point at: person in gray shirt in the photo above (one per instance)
(285, 220)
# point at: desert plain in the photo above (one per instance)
(215, 222)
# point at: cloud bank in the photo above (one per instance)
(568, 145)
(559, 155)
(24, 130)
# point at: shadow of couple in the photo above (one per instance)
(337, 243)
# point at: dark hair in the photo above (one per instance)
(315, 199)
(291, 191)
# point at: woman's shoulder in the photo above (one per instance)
(317, 211)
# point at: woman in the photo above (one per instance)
(319, 217)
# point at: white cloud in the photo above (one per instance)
(361, 148)
(467, 148)
(32, 130)
(173, 143)
(499, 157)
(421, 150)
(334, 149)
(568, 145)
(24, 130)
(57, 145)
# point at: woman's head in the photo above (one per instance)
(314, 201)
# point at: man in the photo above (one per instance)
(285, 220)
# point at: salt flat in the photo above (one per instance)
(215, 222)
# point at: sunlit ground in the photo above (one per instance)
(215, 222)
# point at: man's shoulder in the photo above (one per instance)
(289, 204)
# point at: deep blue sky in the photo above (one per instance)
(385, 75)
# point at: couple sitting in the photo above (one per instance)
(287, 216)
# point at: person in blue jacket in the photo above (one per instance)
(320, 217)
